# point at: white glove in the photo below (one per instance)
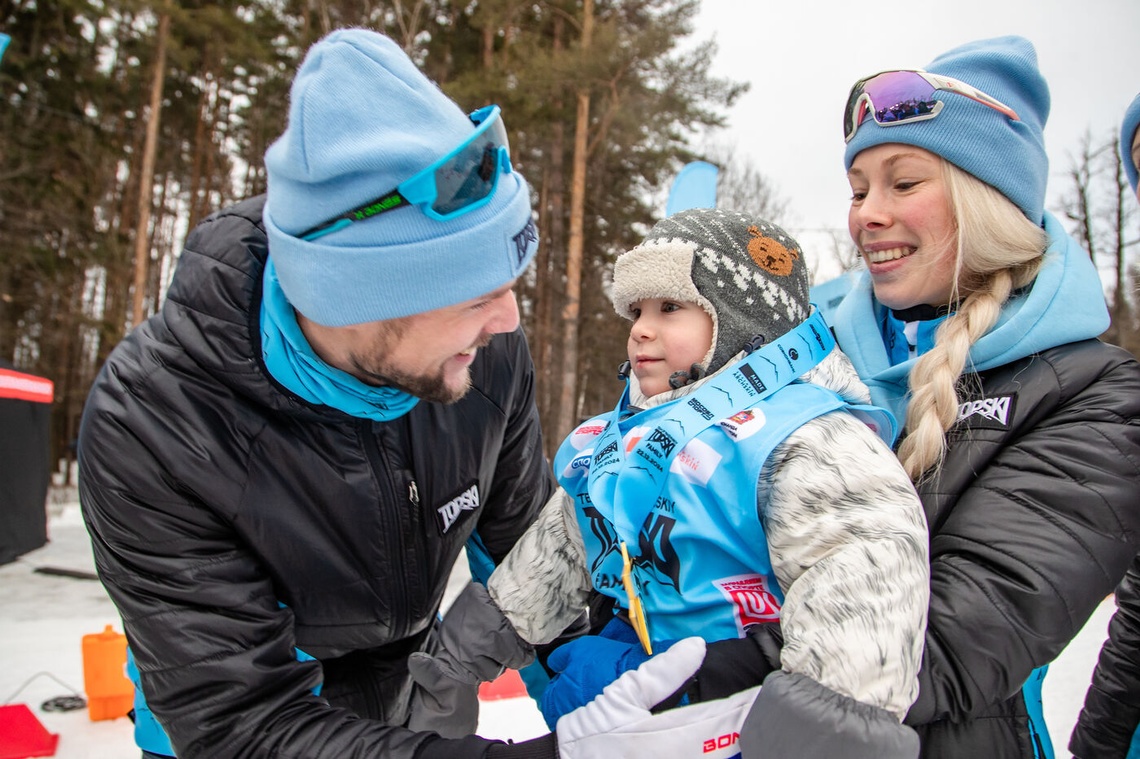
(619, 723)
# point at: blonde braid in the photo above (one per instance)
(999, 250)
(933, 407)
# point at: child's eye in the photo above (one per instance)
(669, 308)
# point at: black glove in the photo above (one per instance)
(475, 644)
(731, 666)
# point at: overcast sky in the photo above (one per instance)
(802, 56)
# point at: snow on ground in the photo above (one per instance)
(43, 618)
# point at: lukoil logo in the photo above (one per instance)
(752, 600)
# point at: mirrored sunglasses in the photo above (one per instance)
(891, 98)
(460, 182)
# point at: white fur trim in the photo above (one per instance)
(848, 541)
(542, 585)
(660, 269)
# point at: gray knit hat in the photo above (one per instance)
(747, 273)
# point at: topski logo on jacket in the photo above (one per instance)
(989, 413)
(449, 512)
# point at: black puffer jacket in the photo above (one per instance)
(1033, 521)
(1111, 713)
(232, 522)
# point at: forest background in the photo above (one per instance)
(125, 122)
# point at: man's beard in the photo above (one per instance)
(431, 387)
(373, 368)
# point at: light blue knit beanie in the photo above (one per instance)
(1008, 155)
(362, 119)
(1127, 135)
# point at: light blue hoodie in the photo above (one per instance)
(1064, 304)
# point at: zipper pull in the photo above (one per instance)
(413, 493)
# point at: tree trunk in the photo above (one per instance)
(567, 406)
(550, 267)
(200, 176)
(146, 176)
(488, 46)
(1121, 311)
(161, 248)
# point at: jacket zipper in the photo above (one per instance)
(391, 522)
(416, 520)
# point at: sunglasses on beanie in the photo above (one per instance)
(460, 182)
(898, 97)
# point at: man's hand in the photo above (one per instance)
(445, 697)
(475, 644)
(619, 722)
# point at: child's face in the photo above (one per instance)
(667, 336)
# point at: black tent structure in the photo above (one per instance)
(25, 467)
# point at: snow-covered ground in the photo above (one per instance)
(43, 618)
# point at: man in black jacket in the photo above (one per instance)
(280, 468)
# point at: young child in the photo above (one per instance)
(740, 479)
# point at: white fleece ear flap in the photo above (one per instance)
(655, 269)
(660, 268)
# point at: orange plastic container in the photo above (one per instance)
(109, 693)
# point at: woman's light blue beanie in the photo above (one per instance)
(1006, 154)
(1127, 135)
(362, 119)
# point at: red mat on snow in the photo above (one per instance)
(508, 685)
(22, 735)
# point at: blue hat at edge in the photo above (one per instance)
(1006, 154)
(362, 119)
(1127, 135)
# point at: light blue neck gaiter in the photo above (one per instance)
(293, 363)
